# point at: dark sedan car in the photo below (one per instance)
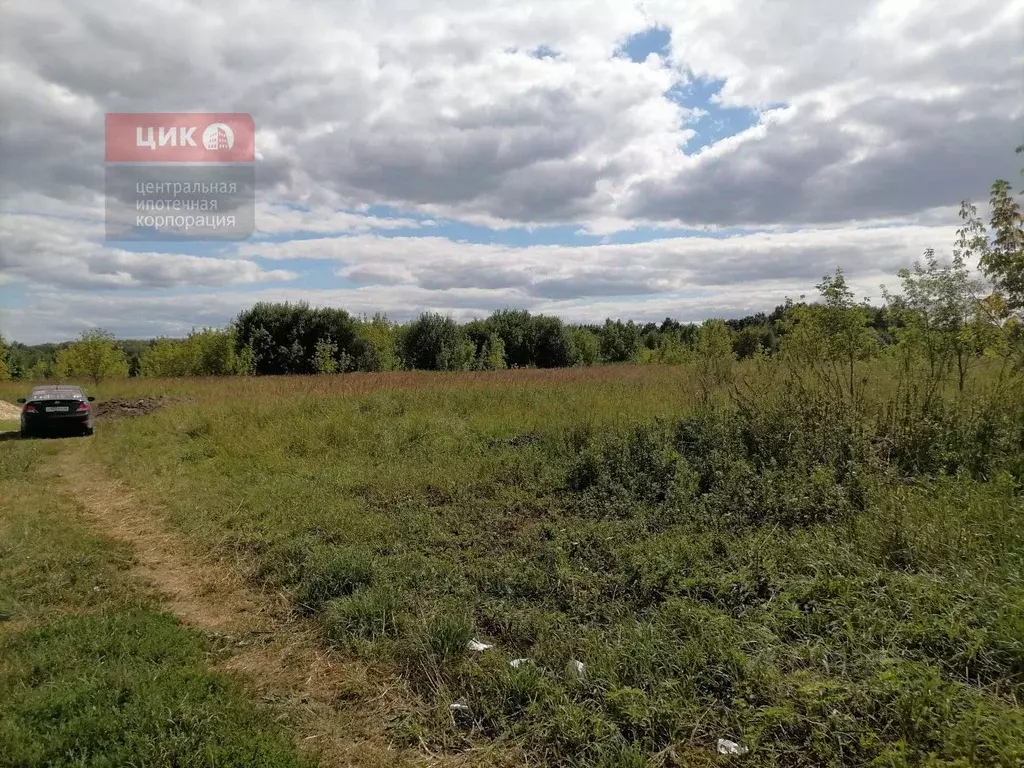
(56, 407)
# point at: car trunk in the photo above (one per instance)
(56, 406)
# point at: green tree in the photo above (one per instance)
(283, 337)
(516, 329)
(245, 361)
(587, 346)
(1000, 257)
(434, 342)
(376, 345)
(325, 353)
(94, 356)
(40, 370)
(619, 341)
(828, 339)
(747, 342)
(491, 356)
(5, 368)
(552, 343)
(940, 319)
(207, 352)
(668, 349)
(714, 356)
(166, 358)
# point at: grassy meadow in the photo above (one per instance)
(93, 672)
(826, 578)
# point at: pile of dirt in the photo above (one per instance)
(119, 408)
(9, 411)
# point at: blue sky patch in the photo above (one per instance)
(641, 45)
(718, 122)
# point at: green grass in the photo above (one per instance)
(825, 589)
(93, 673)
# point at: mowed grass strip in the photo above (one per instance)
(821, 591)
(93, 673)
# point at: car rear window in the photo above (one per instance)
(56, 391)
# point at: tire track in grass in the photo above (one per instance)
(342, 706)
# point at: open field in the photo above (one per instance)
(822, 583)
(94, 671)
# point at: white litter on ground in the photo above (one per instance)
(577, 668)
(517, 663)
(726, 747)
(476, 645)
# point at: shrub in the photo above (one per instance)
(639, 465)
(94, 356)
(434, 342)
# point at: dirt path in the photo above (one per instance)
(9, 411)
(343, 707)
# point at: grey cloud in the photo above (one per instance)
(377, 104)
(571, 288)
(650, 268)
(46, 251)
(897, 117)
(898, 111)
(808, 173)
(165, 58)
(441, 277)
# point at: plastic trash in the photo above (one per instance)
(476, 645)
(577, 668)
(517, 663)
(460, 713)
(726, 747)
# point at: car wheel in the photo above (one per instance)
(25, 434)
(87, 431)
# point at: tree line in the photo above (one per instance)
(950, 317)
(294, 338)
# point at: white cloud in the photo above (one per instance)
(46, 251)
(894, 108)
(277, 219)
(653, 267)
(892, 111)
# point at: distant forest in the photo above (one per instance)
(297, 339)
(942, 309)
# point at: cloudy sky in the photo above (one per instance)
(587, 158)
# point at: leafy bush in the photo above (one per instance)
(640, 465)
(94, 356)
(376, 345)
(208, 352)
(283, 337)
(437, 343)
(786, 463)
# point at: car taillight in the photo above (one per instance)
(29, 408)
(83, 407)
